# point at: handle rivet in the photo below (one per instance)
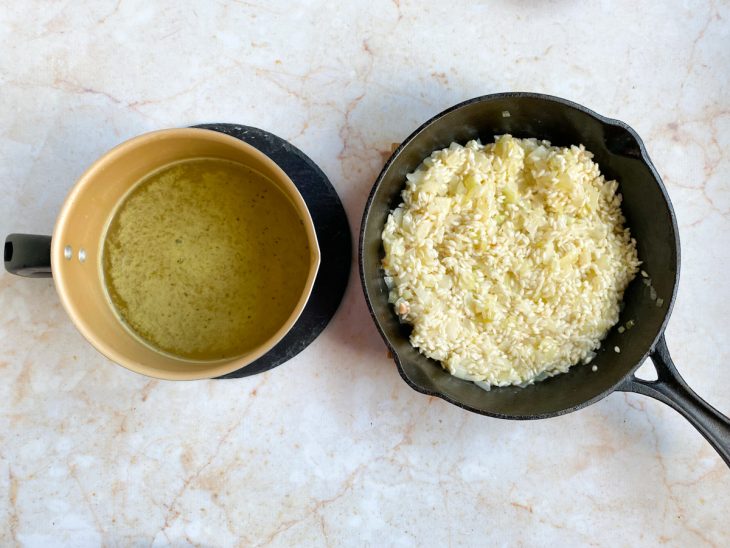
(68, 252)
(82, 255)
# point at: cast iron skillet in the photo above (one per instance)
(621, 156)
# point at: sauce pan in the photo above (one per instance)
(621, 155)
(74, 254)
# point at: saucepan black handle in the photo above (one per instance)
(671, 389)
(28, 255)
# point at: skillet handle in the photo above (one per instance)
(28, 255)
(671, 389)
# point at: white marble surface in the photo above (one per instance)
(333, 448)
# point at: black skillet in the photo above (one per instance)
(622, 156)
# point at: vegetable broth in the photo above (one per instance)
(205, 259)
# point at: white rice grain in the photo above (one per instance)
(509, 259)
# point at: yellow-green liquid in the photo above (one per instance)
(205, 259)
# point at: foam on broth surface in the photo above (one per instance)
(205, 259)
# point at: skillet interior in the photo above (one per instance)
(621, 156)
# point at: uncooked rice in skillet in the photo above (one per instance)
(508, 259)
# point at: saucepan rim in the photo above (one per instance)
(62, 278)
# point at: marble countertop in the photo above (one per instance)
(333, 448)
